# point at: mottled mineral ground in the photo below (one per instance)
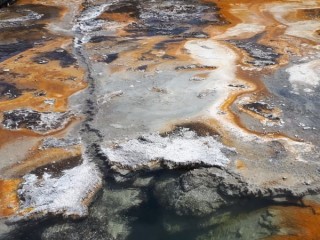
(160, 119)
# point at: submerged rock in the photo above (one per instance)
(240, 227)
(107, 219)
(181, 148)
(197, 193)
(204, 191)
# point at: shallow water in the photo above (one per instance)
(125, 211)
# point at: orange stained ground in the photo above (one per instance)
(41, 158)
(57, 82)
(240, 165)
(9, 202)
(302, 223)
(118, 17)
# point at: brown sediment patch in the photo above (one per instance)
(106, 58)
(177, 49)
(8, 136)
(303, 14)
(202, 75)
(243, 11)
(117, 17)
(56, 167)
(125, 8)
(298, 223)
(240, 165)
(9, 201)
(159, 90)
(8, 91)
(225, 13)
(200, 127)
(146, 54)
(46, 3)
(40, 122)
(43, 158)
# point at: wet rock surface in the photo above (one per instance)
(197, 193)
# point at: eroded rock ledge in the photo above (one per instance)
(67, 193)
(212, 184)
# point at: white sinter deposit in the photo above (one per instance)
(305, 76)
(301, 29)
(181, 148)
(215, 53)
(242, 30)
(68, 194)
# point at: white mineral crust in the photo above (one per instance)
(182, 148)
(65, 194)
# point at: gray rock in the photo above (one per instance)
(194, 193)
(239, 227)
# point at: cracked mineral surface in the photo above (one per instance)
(159, 119)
